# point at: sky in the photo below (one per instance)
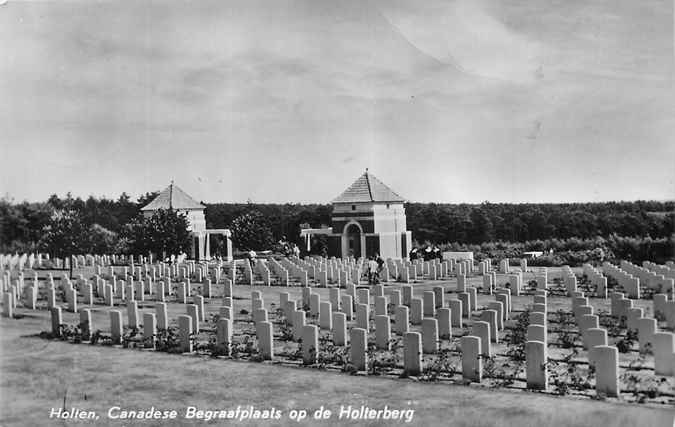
(456, 101)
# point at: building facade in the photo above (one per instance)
(175, 198)
(368, 219)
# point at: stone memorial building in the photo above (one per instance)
(368, 218)
(175, 198)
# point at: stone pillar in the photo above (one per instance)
(382, 332)
(498, 307)
(472, 364)
(347, 306)
(363, 296)
(490, 316)
(161, 291)
(395, 298)
(193, 313)
(429, 304)
(149, 330)
(401, 321)
(339, 328)
(537, 333)
(537, 318)
(265, 339)
(456, 312)
(310, 344)
(85, 324)
(8, 304)
(227, 291)
(359, 345)
(663, 345)
(380, 306)
(184, 333)
(606, 362)
(199, 302)
(363, 316)
(325, 316)
(224, 335)
(535, 361)
(473, 297)
(412, 353)
(595, 337)
(407, 294)
(444, 323)
(334, 297)
(226, 312)
(481, 330)
(116, 326)
(260, 315)
(429, 335)
(162, 316)
(57, 319)
(461, 283)
(298, 324)
(646, 331)
(416, 311)
(132, 314)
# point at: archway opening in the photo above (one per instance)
(353, 241)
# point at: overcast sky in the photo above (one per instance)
(289, 101)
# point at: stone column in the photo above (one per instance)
(85, 324)
(481, 330)
(363, 316)
(265, 339)
(132, 314)
(472, 364)
(664, 353)
(646, 331)
(444, 323)
(429, 304)
(407, 294)
(416, 311)
(298, 324)
(606, 362)
(184, 333)
(535, 361)
(429, 335)
(401, 321)
(224, 335)
(537, 333)
(347, 306)
(162, 316)
(57, 318)
(339, 328)
(412, 353)
(490, 316)
(325, 316)
(380, 305)
(193, 313)
(116, 326)
(382, 332)
(149, 330)
(456, 312)
(359, 345)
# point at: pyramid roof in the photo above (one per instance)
(172, 197)
(366, 189)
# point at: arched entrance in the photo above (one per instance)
(353, 233)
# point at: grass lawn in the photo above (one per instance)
(38, 374)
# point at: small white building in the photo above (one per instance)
(173, 197)
(368, 218)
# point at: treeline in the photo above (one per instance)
(627, 229)
(464, 223)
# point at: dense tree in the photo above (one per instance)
(162, 234)
(65, 235)
(251, 231)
